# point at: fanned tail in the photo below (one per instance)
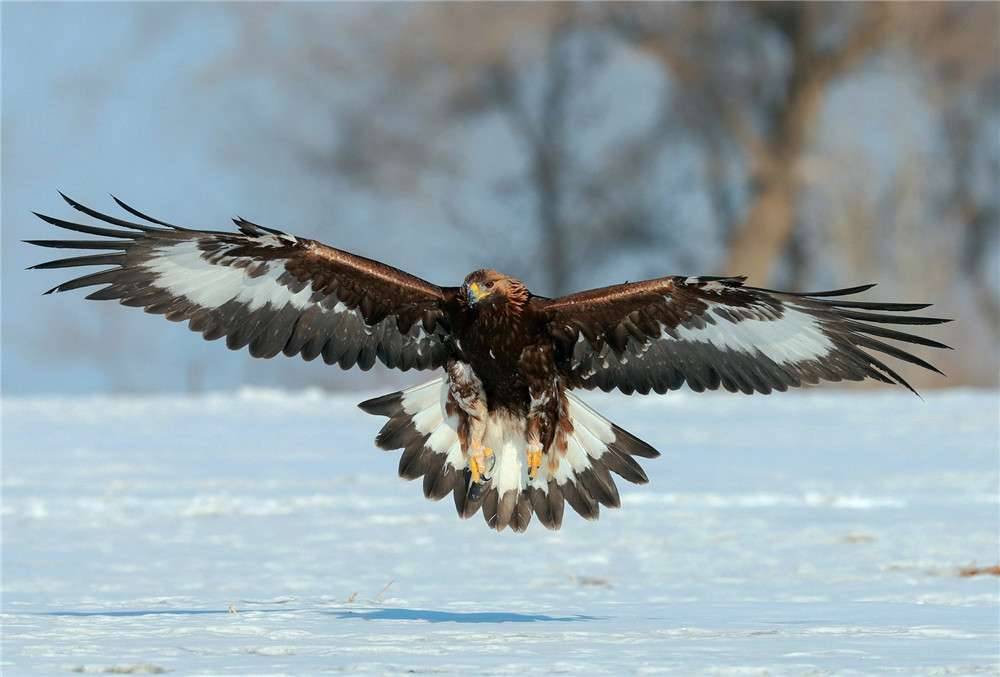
(576, 469)
(420, 426)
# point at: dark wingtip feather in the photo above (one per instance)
(898, 353)
(135, 212)
(47, 219)
(885, 332)
(251, 228)
(883, 372)
(74, 204)
(77, 244)
(99, 277)
(876, 305)
(883, 318)
(93, 213)
(89, 229)
(839, 292)
(91, 260)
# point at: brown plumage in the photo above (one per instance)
(500, 429)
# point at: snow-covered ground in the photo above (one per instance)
(818, 532)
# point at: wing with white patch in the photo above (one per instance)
(262, 288)
(712, 332)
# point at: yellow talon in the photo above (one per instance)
(477, 461)
(534, 463)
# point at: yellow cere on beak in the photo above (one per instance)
(474, 288)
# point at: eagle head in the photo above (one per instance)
(487, 289)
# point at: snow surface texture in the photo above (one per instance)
(818, 532)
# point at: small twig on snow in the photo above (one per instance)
(375, 598)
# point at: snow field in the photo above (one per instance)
(817, 532)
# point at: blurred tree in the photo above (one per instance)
(964, 82)
(521, 120)
(760, 72)
(537, 69)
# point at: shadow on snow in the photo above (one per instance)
(426, 615)
(453, 616)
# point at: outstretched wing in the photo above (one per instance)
(707, 332)
(262, 288)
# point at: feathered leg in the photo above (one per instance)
(543, 411)
(467, 392)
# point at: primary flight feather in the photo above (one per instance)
(500, 429)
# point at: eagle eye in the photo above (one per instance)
(489, 285)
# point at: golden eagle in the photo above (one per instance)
(500, 429)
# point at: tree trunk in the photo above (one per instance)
(767, 232)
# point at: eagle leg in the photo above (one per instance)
(534, 452)
(466, 390)
(544, 407)
(477, 460)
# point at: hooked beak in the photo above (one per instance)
(473, 293)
